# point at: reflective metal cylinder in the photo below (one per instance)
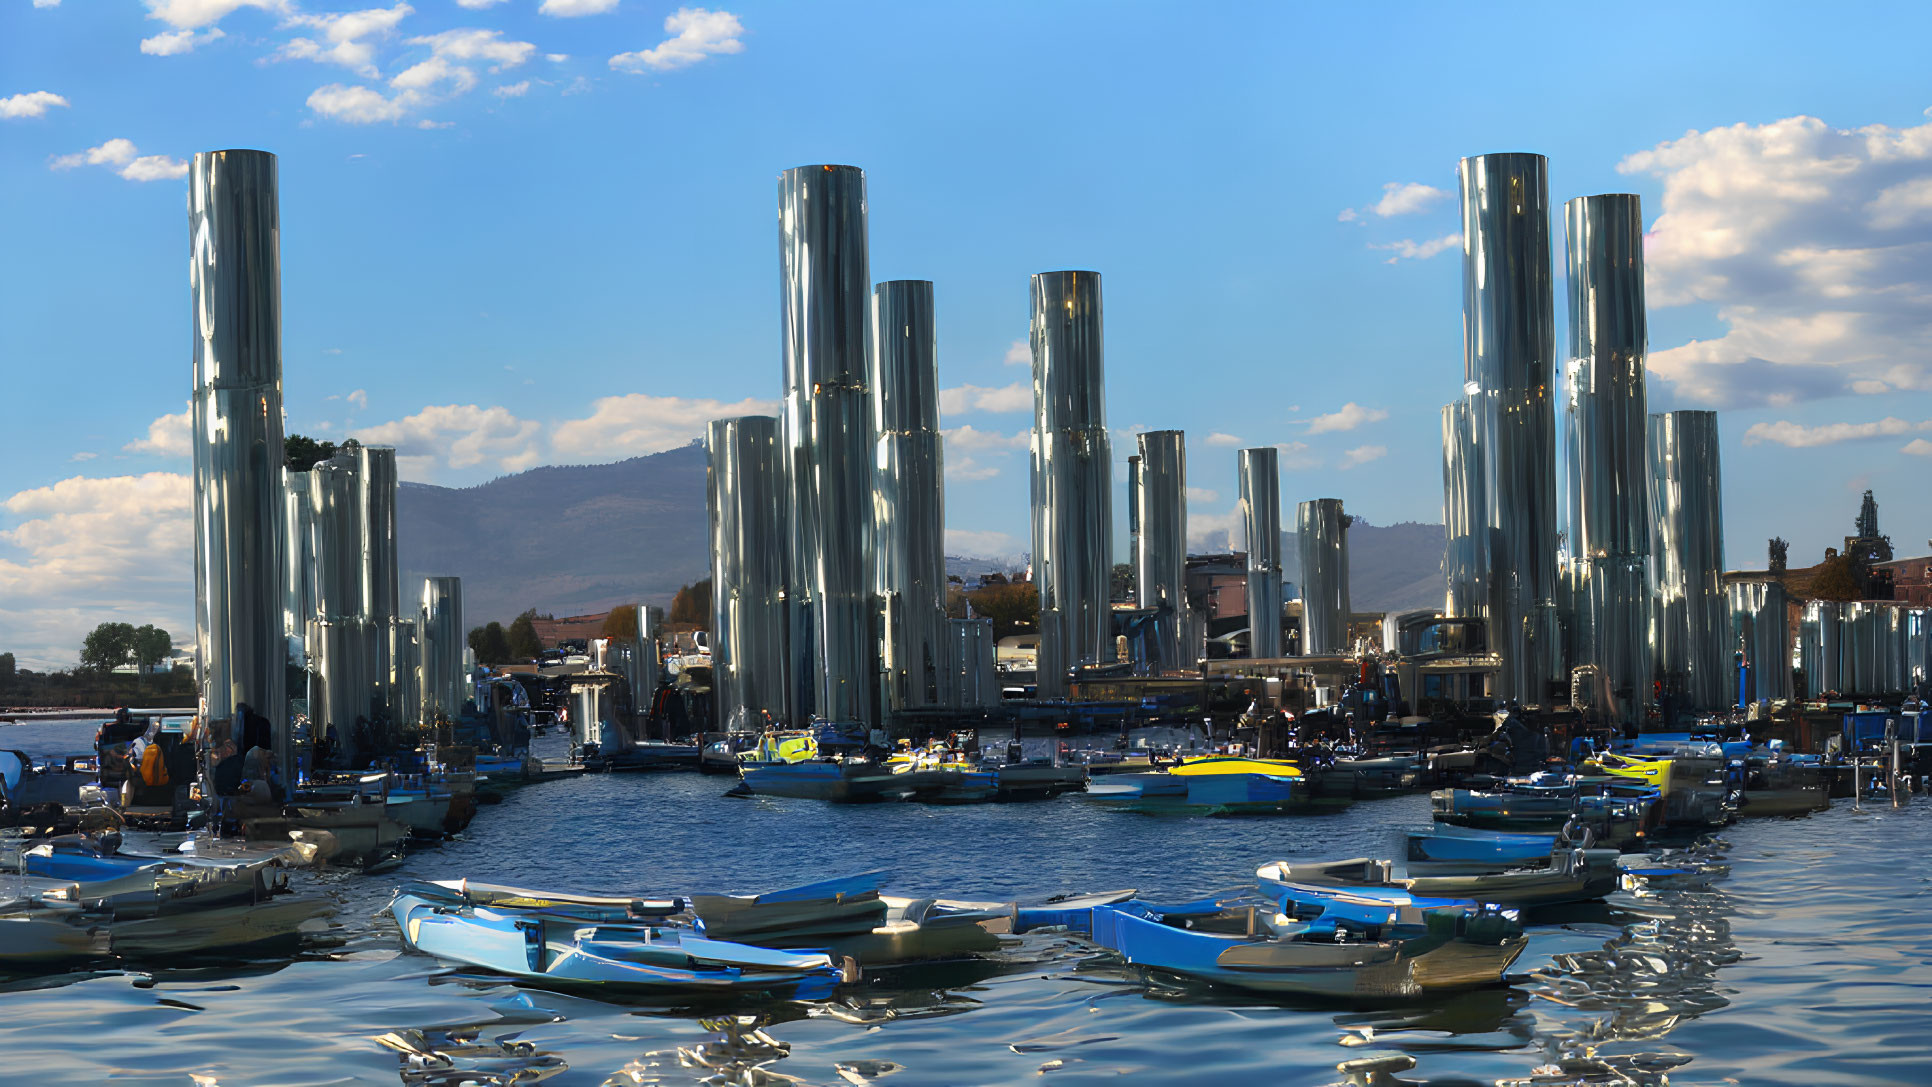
(976, 682)
(1819, 646)
(1072, 477)
(407, 661)
(1509, 346)
(1918, 646)
(1609, 504)
(1759, 630)
(829, 442)
(908, 495)
(1161, 562)
(339, 689)
(746, 488)
(440, 630)
(1465, 557)
(590, 713)
(647, 658)
(1689, 620)
(376, 480)
(298, 592)
(235, 278)
(1260, 511)
(1322, 535)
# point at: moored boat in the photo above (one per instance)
(1569, 875)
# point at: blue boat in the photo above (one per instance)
(848, 917)
(1467, 849)
(1338, 948)
(571, 941)
(1205, 794)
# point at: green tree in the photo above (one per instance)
(1014, 608)
(1780, 550)
(1121, 586)
(151, 646)
(692, 605)
(1837, 579)
(110, 646)
(303, 453)
(621, 623)
(524, 643)
(491, 644)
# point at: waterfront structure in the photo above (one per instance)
(1690, 626)
(298, 584)
(235, 280)
(1321, 530)
(974, 683)
(1760, 631)
(828, 439)
(1261, 517)
(440, 631)
(1160, 571)
(341, 660)
(1509, 353)
(909, 497)
(1820, 637)
(378, 582)
(1072, 477)
(1609, 510)
(746, 488)
(1465, 557)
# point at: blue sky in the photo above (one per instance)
(518, 233)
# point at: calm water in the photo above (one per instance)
(1802, 959)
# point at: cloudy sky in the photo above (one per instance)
(520, 232)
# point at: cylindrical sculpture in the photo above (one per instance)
(406, 657)
(976, 683)
(1321, 530)
(1160, 569)
(1820, 646)
(235, 278)
(439, 629)
(590, 713)
(1759, 631)
(1261, 517)
(342, 658)
(1509, 346)
(647, 659)
(298, 592)
(908, 494)
(1465, 557)
(745, 498)
(1689, 620)
(828, 436)
(1072, 477)
(381, 596)
(1609, 535)
(1918, 646)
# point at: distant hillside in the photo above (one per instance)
(580, 540)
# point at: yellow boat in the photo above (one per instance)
(1234, 764)
(1654, 772)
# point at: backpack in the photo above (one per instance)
(154, 767)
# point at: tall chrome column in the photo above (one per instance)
(828, 433)
(406, 656)
(1609, 534)
(1072, 478)
(908, 493)
(381, 595)
(746, 501)
(1161, 559)
(341, 656)
(647, 660)
(1918, 646)
(440, 631)
(1321, 530)
(298, 538)
(1760, 631)
(975, 685)
(1820, 646)
(1261, 516)
(1509, 345)
(1687, 556)
(1465, 558)
(235, 278)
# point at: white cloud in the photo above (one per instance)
(195, 14)
(1228, 441)
(346, 34)
(696, 33)
(969, 470)
(167, 437)
(1409, 249)
(458, 436)
(637, 424)
(968, 439)
(1348, 417)
(513, 90)
(125, 159)
(1407, 198)
(971, 543)
(1814, 245)
(1347, 215)
(83, 456)
(475, 44)
(1212, 533)
(556, 58)
(478, 5)
(46, 3)
(1362, 454)
(83, 551)
(1019, 353)
(1918, 447)
(360, 398)
(355, 105)
(170, 43)
(31, 104)
(565, 9)
(1203, 495)
(1005, 398)
(1297, 456)
(1798, 436)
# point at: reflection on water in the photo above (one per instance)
(1787, 951)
